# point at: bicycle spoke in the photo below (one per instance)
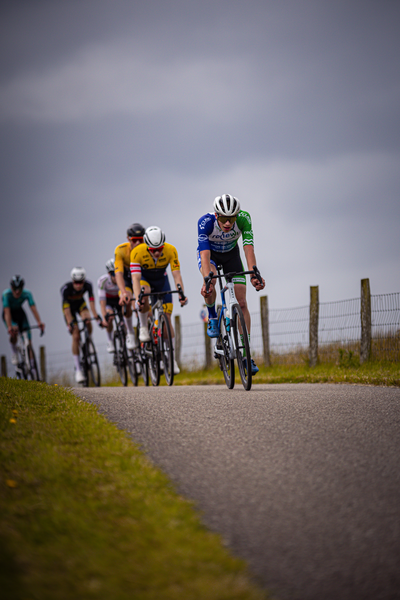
(119, 358)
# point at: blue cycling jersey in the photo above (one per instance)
(211, 236)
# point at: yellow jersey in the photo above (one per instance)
(143, 262)
(122, 255)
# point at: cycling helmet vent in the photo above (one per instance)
(154, 237)
(78, 274)
(226, 205)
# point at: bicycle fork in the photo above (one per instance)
(227, 337)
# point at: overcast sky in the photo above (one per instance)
(115, 111)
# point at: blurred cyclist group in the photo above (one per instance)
(139, 263)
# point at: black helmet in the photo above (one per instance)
(17, 283)
(135, 231)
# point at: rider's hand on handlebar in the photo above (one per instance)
(184, 301)
(257, 284)
(124, 298)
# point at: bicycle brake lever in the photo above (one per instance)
(208, 281)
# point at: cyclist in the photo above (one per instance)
(122, 255)
(218, 235)
(149, 262)
(73, 304)
(14, 316)
(109, 299)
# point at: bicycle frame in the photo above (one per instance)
(226, 312)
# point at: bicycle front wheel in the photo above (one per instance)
(167, 350)
(226, 364)
(132, 367)
(119, 358)
(152, 354)
(92, 362)
(33, 371)
(242, 345)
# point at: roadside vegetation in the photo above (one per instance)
(84, 514)
(346, 370)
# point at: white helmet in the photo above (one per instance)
(78, 274)
(110, 266)
(154, 237)
(226, 205)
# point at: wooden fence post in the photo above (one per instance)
(366, 322)
(178, 339)
(43, 373)
(314, 313)
(3, 366)
(207, 344)
(265, 329)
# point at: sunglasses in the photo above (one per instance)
(136, 239)
(224, 219)
(159, 249)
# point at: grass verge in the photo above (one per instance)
(372, 373)
(84, 514)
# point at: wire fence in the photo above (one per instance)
(339, 328)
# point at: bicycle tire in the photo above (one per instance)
(227, 364)
(84, 366)
(242, 346)
(119, 357)
(167, 349)
(132, 367)
(33, 370)
(93, 363)
(153, 359)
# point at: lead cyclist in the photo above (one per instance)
(218, 235)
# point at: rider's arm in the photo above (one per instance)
(93, 308)
(251, 262)
(136, 277)
(205, 256)
(68, 314)
(7, 318)
(37, 317)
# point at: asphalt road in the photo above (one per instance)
(303, 481)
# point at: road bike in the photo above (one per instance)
(88, 356)
(26, 367)
(233, 339)
(124, 359)
(160, 349)
(140, 356)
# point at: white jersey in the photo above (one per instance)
(107, 289)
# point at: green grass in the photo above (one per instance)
(371, 373)
(85, 515)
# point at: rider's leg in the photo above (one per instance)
(85, 314)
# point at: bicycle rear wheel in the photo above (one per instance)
(226, 364)
(119, 358)
(167, 350)
(92, 362)
(241, 338)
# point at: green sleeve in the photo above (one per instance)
(244, 224)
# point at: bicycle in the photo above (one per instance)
(124, 359)
(27, 366)
(87, 351)
(140, 357)
(160, 347)
(233, 340)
